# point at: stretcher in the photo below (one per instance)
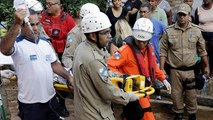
(133, 83)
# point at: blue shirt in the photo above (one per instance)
(159, 29)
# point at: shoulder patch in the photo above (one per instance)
(117, 55)
(104, 73)
(69, 38)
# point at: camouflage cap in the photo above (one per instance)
(184, 8)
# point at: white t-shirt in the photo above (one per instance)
(33, 67)
(5, 59)
(165, 5)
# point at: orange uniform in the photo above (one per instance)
(127, 63)
(124, 61)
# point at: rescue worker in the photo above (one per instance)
(75, 36)
(57, 24)
(93, 90)
(179, 46)
(159, 28)
(137, 57)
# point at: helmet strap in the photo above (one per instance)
(98, 41)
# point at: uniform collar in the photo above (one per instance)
(102, 51)
(178, 27)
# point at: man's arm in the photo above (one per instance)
(206, 65)
(59, 69)
(201, 49)
(67, 57)
(7, 42)
(162, 63)
(163, 51)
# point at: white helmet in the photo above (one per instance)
(94, 22)
(142, 29)
(88, 8)
(34, 5)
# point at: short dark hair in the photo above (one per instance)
(146, 4)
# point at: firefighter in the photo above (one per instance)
(75, 36)
(93, 90)
(138, 57)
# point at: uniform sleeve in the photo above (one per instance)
(159, 74)
(116, 61)
(201, 46)
(164, 45)
(67, 58)
(68, 54)
(101, 81)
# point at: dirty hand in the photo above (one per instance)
(7, 73)
(167, 84)
(132, 96)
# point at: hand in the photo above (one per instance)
(168, 86)
(132, 96)
(206, 71)
(7, 73)
(19, 16)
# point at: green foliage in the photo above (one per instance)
(73, 6)
(6, 14)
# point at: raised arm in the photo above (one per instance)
(7, 42)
